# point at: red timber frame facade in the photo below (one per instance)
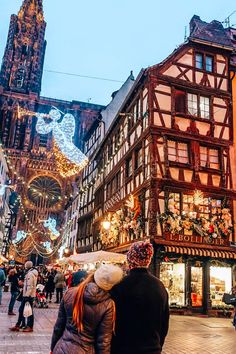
(176, 131)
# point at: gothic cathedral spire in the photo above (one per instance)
(22, 65)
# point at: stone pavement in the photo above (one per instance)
(187, 335)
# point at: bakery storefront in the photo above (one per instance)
(196, 276)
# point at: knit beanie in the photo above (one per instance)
(108, 275)
(140, 254)
(28, 265)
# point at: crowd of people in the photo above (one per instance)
(109, 310)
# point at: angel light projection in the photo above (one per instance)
(70, 160)
(47, 246)
(51, 224)
(20, 236)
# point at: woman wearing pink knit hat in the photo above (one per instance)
(142, 310)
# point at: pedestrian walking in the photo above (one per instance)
(14, 280)
(59, 282)
(86, 315)
(49, 285)
(29, 292)
(2, 280)
(142, 311)
(234, 304)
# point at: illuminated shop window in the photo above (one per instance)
(184, 203)
(220, 283)
(173, 277)
(196, 286)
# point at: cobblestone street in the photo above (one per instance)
(187, 334)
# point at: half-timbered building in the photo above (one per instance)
(166, 161)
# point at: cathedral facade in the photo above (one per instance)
(35, 175)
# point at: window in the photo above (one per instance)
(173, 277)
(43, 139)
(196, 286)
(192, 104)
(209, 63)
(184, 203)
(204, 107)
(129, 167)
(199, 106)
(177, 151)
(180, 101)
(204, 62)
(199, 61)
(138, 158)
(209, 158)
(220, 283)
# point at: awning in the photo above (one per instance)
(193, 251)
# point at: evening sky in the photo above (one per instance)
(108, 38)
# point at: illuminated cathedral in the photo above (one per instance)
(36, 169)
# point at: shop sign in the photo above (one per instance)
(197, 239)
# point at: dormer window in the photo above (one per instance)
(204, 62)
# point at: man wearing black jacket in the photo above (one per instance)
(142, 310)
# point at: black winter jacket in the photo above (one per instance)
(98, 323)
(142, 314)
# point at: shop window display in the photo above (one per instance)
(196, 286)
(173, 277)
(220, 283)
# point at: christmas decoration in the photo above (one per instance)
(219, 225)
(47, 246)
(20, 236)
(123, 223)
(69, 158)
(51, 224)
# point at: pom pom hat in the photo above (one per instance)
(108, 275)
(140, 255)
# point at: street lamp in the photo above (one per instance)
(106, 224)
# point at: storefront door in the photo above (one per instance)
(196, 286)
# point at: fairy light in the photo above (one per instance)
(69, 158)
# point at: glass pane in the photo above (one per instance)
(199, 61)
(173, 277)
(192, 104)
(204, 107)
(209, 63)
(220, 283)
(196, 286)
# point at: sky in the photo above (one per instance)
(109, 38)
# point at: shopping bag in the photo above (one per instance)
(229, 299)
(27, 310)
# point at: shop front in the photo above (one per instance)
(196, 279)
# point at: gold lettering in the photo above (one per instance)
(181, 237)
(186, 238)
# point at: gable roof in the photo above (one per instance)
(213, 33)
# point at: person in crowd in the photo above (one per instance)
(29, 292)
(59, 282)
(68, 278)
(234, 304)
(14, 280)
(142, 310)
(78, 277)
(87, 314)
(49, 285)
(2, 280)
